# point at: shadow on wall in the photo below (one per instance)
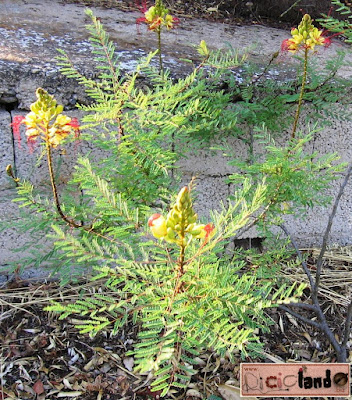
(280, 10)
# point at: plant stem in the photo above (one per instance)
(71, 222)
(181, 261)
(300, 99)
(300, 256)
(290, 8)
(161, 67)
(53, 184)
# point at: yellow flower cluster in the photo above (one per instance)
(158, 16)
(306, 36)
(180, 222)
(39, 121)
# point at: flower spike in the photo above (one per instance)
(305, 36)
(156, 17)
(45, 121)
(180, 225)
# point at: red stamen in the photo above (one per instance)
(17, 121)
(328, 39)
(284, 45)
(31, 142)
(208, 229)
(75, 125)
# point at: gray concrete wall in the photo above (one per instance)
(27, 62)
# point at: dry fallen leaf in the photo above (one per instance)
(38, 387)
(67, 383)
(232, 393)
(128, 363)
(92, 363)
(305, 354)
(281, 324)
(307, 336)
(194, 393)
(69, 394)
(292, 320)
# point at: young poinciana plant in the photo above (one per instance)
(183, 296)
(305, 38)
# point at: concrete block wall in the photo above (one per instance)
(213, 170)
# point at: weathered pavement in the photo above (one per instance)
(31, 31)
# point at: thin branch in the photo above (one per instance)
(328, 229)
(70, 221)
(328, 332)
(290, 8)
(300, 317)
(322, 325)
(300, 256)
(347, 332)
(306, 306)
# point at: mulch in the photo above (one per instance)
(45, 358)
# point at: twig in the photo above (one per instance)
(301, 317)
(290, 8)
(303, 263)
(70, 221)
(322, 325)
(347, 332)
(341, 356)
(306, 306)
(328, 229)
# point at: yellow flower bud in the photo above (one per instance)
(157, 224)
(182, 196)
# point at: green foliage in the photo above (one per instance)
(296, 180)
(141, 132)
(264, 95)
(340, 26)
(214, 303)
